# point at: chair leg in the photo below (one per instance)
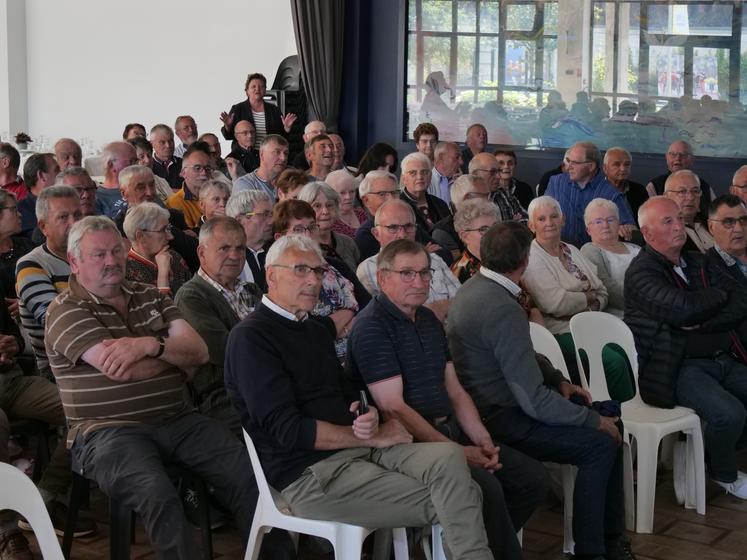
(569, 483)
(437, 543)
(697, 460)
(78, 489)
(256, 534)
(401, 546)
(382, 544)
(628, 490)
(347, 548)
(648, 447)
(120, 530)
(204, 514)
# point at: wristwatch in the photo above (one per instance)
(161, 346)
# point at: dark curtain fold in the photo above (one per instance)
(319, 30)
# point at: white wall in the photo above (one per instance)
(93, 66)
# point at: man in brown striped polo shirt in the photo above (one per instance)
(120, 353)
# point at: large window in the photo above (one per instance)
(547, 73)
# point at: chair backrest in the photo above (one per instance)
(265, 492)
(545, 343)
(592, 331)
(18, 493)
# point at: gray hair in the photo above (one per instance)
(299, 243)
(129, 173)
(55, 191)
(412, 158)
(311, 190)
(339, 178)
(680, 173)
(272, 138)
(145, 216)
(600, 204)
(242, 202)
(462, 185)
(67, 141)
(591, 152)
(389, 204)
(72, 172)
(443, 147)
(89, 224)
(543, 201)
(161, 128)
(386, 257)
(616, 150)
(473, 209)
(307, 128)
(220, 222)
(736, 174)
(371, 176)
(213, 185)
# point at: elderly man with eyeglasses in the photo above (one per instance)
(727, 222)
(253, 210)
(684, 188)
(196, 171)
(582, 182)
(739, 184)
(395, 219)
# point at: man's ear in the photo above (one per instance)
(375, 233)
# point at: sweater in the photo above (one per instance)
(282, 376)
(492, 350)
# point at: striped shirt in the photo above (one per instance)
(40, 276)
(260, 127)
(77, 321)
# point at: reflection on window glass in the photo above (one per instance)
(635, 73)
(520, 17)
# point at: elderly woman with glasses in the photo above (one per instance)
(12, 247)
(610, 255)
(562, 282)
(150, 260)
(326, 203)
(473, 220)
(342, 295)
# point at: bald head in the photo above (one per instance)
(314, 128)
(663, 226)
(394, 219)
(739, 184)
(485, 165)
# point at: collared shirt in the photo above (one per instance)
(184, 200)
(679, 269)
(275, 308)
(731, 261)
(169, 170)
(17, 187)
(247, 275)
(444, 285)
(238, 299)
(513, 288)
(253, 182)
(440, 186)
(385, 344)
(700, 236)
(573, 200)
(508, 205)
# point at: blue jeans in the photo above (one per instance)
(598, 505)
(716, 389)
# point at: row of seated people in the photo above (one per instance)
(255, 212)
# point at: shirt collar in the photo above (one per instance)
(499, 278)
(727, 258)
(272, 306)
(78, 290)
(206, 277)
(392, 309)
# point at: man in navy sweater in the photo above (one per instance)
(283, 377)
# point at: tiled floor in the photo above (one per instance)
(679, 534)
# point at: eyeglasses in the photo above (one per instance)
(729, 223)
(13, 209)
(491, 172)
(197, 168)
(408, 276)
(573, 162)
(301, 230)
(679, 154)
(384, 194)
(167, 229)
(601, 221)
(264, 215)
(684, 192)
(482, 230)
(395, 228)
(303, 270)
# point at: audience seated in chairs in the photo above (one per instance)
(123, 439)
(398, 350)
(326, 203)
(683, 315)
(273, 159)
(617, 165)
(507, 163)
(464, 189)
(144, 152)
(426, 139)
(12, 247)
(350, 216)
(213, 302)
(289, 183)
(85, 186)
(116, 156)
(150, 260)
(10, 179)
(446, 168)
(253, 210)
(414, 181)
(214, 196)
(562, 283)
(43, 273)
(529, 407)
(472, 221)
(395, 219)
(185, 129)
(320, 153)
(606, 252)
(67, 152)
(39, 172)
(196, 170)
(165, 163)
(133, 130)
(486, 166)
(683, 187)
(244, 152)
(283, 376)
(341, 296)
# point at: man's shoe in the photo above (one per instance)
(14, 546)
(58, 514)
(619, 549)
(737, 488)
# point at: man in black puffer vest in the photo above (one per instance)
(682, 315)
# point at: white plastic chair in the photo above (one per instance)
(18, 493)
(346, 539)
(591, 331)
(94, 165)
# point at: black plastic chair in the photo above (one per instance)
(38, 432)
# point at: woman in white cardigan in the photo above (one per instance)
(563, 282)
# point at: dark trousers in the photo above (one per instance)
(598, 506)
(127, 462)
(509, 496)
